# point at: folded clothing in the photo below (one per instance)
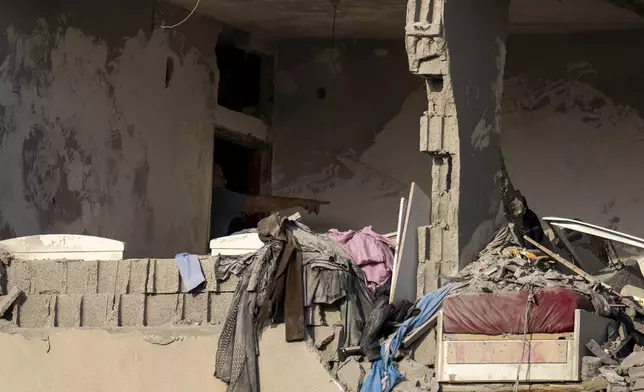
(498, 314)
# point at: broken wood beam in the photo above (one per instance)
(562, 261)
(596, 349)
(420, 331)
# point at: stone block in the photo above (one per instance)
(195, 308)
(20, 274)
(638, 386)
(208, 268)
(113, 276)
(322, 336)
(139, 276)
(228, 286)
(68, 310)
(166, 277)
(50, 277)
(424, 349)
(82, 277)
(163, 309)
(351, 373)
(132, 310)
(331, 315)
(219, 307)
(37, 311)
(98, 310)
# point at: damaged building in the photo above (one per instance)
(117, 120)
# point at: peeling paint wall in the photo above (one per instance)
(93, 138)
(346, 130)
(573, 128)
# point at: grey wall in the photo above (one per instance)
(573, 128)
(91, 140)
(346, 131)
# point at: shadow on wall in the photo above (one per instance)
(106, 141)
(573, 150)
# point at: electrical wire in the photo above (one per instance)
(184, 20)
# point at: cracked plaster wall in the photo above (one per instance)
(91, 139)
(347, 131)
(162, 360)
(573, 128)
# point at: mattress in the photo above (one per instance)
(499, 314)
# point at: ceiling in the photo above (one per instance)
(385, 18)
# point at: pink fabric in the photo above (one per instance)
(369, 250)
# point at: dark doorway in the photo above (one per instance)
(246, 168)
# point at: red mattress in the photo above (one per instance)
(498, 314)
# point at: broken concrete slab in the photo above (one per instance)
(636, 372)
(590, 367)
(424, 350)
(636, 359)
(351, 374)
(596, 349)
(322, 336)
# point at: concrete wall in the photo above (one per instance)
(573, 127)
(91, 139)
(166, 360)
(346, 131)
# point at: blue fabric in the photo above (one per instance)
(190, 270)
(384, 375)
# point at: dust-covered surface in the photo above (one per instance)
(96, 142)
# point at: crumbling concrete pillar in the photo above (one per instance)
(458, 47)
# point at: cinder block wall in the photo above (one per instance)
(123, 293)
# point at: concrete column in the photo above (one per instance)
(458, 46)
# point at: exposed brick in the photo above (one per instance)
(139, 275)
(208, 268)
(97, 310)
(50, 277)
(195, 310)
(20, 275)
(37, 311)
(132, 310)
(228, 286)
(162, 309)
(82, 277)
(109, 281)
(166, 277)
(68, 310)
(219, 306)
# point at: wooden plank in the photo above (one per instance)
(404, 282)
(497, 352)
(402, 211)
(420, 331)
(561, 260)
(531, 336)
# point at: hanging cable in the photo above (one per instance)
(184, 20)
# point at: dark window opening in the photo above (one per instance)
(245, 77)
